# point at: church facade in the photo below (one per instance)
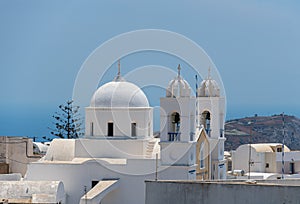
(119, 152)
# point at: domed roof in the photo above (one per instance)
(209, 87)
(178, 87)
(119, 93)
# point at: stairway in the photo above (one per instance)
(150, 148)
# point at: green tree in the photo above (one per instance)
(67, 122)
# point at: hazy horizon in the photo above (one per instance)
(255, 46)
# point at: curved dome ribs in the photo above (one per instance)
(209, 88)
(178, 87)
(119, 94)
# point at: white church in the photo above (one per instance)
(119, 152)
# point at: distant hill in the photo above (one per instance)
(264, 129)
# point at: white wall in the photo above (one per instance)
(68, 149)
(122, 119)
(131, 177)
(240, 159)
(289, 157)
(178, 153)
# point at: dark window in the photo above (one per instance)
(279, 149)
(292, 168)
(94, 183)
(110, 129)
(205, 121)
(221, 133)
(267, 165)
(175, 123)
(133, 129)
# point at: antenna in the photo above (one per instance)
(250, 141)
(119, 67)
(196, 77)
(282, 149)
(156, 166)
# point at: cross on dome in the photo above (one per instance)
(119, 77)
(178, 68)
(209, 73)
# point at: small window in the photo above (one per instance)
(292, 168)
(149, 130)
(279, 149)
(205, 121)
(221, 133)
(267, 165)
(92, 129)
(201, 156)
(110, 129)
(133, 129)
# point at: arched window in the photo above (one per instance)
(174, 127)
(175, 120)
(205, 121)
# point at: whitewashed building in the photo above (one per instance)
(118, 152)
(266, 158)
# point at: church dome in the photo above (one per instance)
(119, 94)
(178, 87)
(209, 88)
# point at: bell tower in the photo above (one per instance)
(211, 109)
(177, 123)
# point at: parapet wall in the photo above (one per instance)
(179, 192)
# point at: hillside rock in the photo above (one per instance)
(265, 129)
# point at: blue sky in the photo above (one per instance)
(254, 44)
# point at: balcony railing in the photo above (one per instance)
(208, 131)
(174, 136)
